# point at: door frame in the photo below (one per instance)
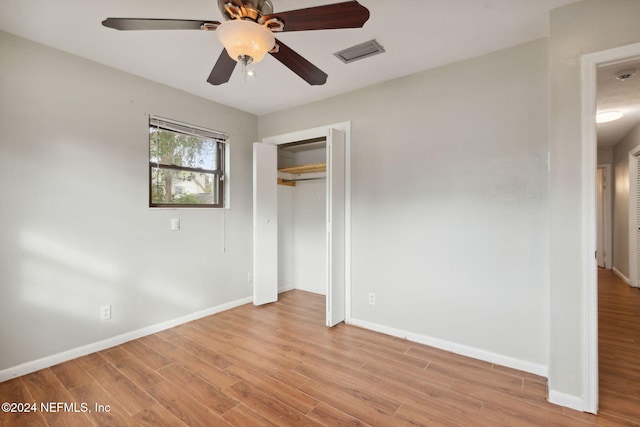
(320, 132)
(632, 230)
(589, 64)
(607, 217)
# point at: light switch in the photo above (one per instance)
(175, 224)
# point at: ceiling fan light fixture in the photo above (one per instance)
(608, 116)
(245, 39)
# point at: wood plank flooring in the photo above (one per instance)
(279, 365)
(619, 347)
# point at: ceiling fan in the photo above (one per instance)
(247, 34)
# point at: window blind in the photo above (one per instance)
(175, 126)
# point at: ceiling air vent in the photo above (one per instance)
(360, 51)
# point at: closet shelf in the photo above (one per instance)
(289, 176)
(310, 168)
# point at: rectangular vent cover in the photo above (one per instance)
(360, 51)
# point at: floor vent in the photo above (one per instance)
(360, 51)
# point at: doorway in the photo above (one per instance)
(337, 226)
(590, 64)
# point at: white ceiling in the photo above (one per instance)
(416, 34)
(616, 95)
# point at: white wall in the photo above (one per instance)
(449, 202)
(76, 232)
(310, 259)
(578, 29)
(621, 200)
(286, 238)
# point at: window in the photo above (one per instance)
(186, 165)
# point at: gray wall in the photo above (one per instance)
(449, 201)
(605, 155)
(578, 29)
(302, 256)
(76, 232)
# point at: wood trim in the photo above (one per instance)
(289, 176)
(310, 168)
(287, 183)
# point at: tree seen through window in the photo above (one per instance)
(185, 169)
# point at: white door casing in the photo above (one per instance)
(600, 252)
(590, 273)
(607, 172)
(634, 217)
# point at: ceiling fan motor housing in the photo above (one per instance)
(243, 9)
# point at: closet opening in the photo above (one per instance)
(302, 216)
(315, 199)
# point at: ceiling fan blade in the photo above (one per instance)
(223, 69)
(127, 24)
(350, 14)
(296, 63)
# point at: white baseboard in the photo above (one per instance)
(566, 400)
(45, 362)
(286, 288)
(622, 276)
(510, 362)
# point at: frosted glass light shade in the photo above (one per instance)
(608, 116)
(245, 38)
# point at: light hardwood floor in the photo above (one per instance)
(279, 365)
(619, 347)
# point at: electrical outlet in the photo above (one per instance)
(372, 299)
(105, 312)
(249, 276)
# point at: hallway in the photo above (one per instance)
(619, 347)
